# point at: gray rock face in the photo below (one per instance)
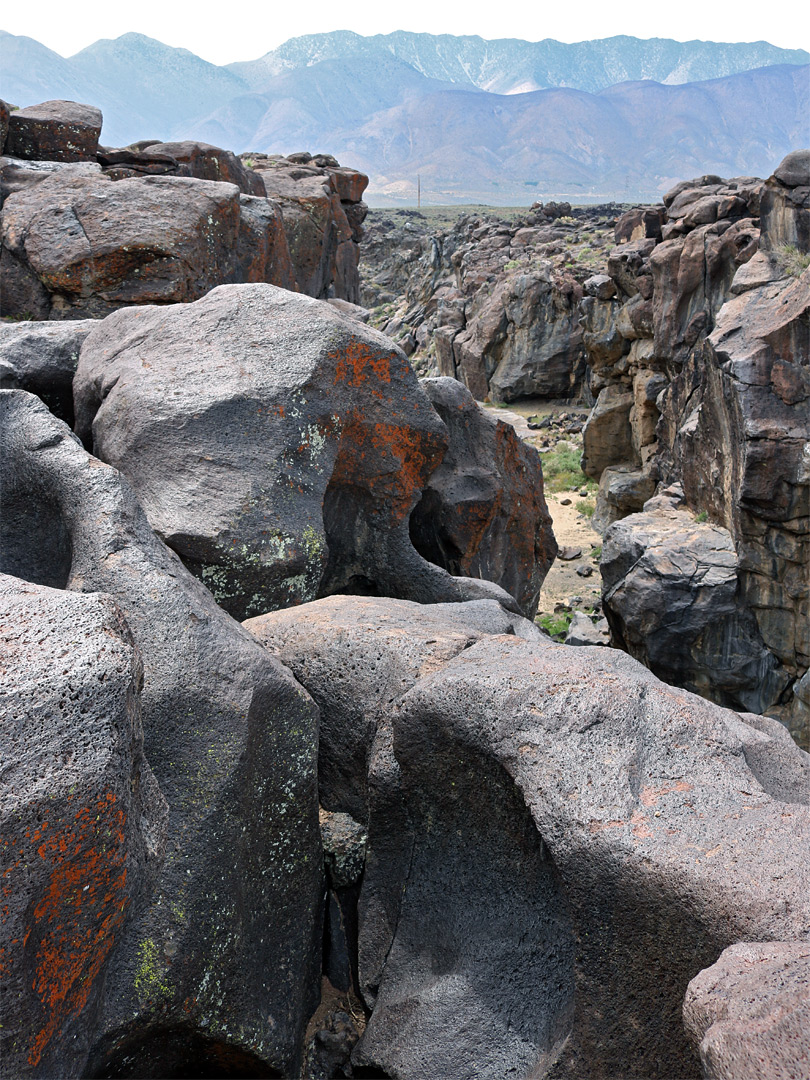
(749, 1014)
(707, 343)
(670, 593)
(492, 303)
(231, 928)
(557, 842)
(482, 512)
(42, 358)
(83, 820)
(336, 442)
(54, 131)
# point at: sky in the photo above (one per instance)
(256, 27)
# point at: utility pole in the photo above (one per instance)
(418, 192)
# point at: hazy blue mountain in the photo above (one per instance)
(631, 140)
(166, 83)
(509, 65)
(398, 105)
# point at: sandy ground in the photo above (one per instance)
(572, 529)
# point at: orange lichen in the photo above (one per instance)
(358, 364)
(74, 918)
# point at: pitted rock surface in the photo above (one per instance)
(232, 925)
(749, 1014)
(83, 820)
(289, 455)
(510, 784)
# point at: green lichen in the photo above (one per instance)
(150, 975)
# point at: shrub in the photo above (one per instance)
(793, 261)
(561, 470)
(556, 625)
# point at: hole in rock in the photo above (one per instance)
(34, 541)
(180, 1054)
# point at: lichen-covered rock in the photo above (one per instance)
(749, 1014)
(82, 819)
(557, 841)
(207, 162)
(482, 513)
(287, 460)
(225, 956)
(54, 131)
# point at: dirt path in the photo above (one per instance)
(572, 529)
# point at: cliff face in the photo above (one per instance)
(701, 359)
(490, 302)
(89, 229)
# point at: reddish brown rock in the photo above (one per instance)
(749, 1014)
(206, 162)
(54, 131)
(482, 513)
(82, 820)
(322, 210)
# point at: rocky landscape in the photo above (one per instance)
(294, 784)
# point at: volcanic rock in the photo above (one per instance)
(54, 131)
(669, 590)
(83, 819)
(42, 358)
(749, 1013)
(482, 513)
(557, 842)
(232, 927)
(335, 444)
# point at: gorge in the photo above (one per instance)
(295, 785)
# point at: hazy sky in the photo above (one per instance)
(245, 29)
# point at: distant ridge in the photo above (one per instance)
(502, 121)
(510, 65)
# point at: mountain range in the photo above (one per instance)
(502, 121)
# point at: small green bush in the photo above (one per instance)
(586, 507)
(793, 261)
(561, 471)
(702, 516)
(556, 625)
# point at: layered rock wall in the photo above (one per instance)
(699, 346)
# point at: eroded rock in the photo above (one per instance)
(83, 820)
(231, 928)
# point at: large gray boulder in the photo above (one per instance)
(670, 594)
(231, 929)
(749, 1014)
(557, 841)
(285, 462)
(82, 819)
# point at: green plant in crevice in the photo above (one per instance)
(792, 261)
(556, 625)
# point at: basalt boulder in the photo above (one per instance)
(83, 820)
(749, 1014)
(557, 841)
(223, 962)
(482, 512)
(286, 461)
(54, 131)
(670, 592)
(42, 358)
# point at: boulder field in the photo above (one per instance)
(88, 229)
(293, 784)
